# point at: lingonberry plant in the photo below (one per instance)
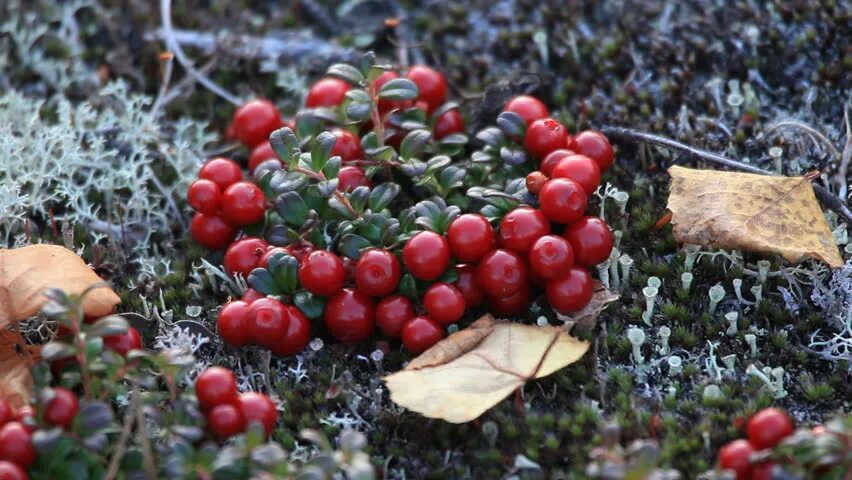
(373, 208)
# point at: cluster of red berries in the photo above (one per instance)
(229, 412)
(766, 429)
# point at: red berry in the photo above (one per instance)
(216, 386)
(420, 334)
(501, 273)
(550, 256)
(581, 169)
(26, 416)
(204, 196)
(211, 231)
(527, 107)
(448, 123)
(268, 322)
(591, 240)
(350, 316)
(297, 336)
(251, 295)
(511, 304)
(377, 273)
(544, 136)
(11, 471)
(244, 255)
(735, 456)
(534, 181)
(521, 227)
(16, 444)
(327, 92)
(261, 153)
(562, 200)
(385, 105)
(552, 159)
(257, 407)
(122, 344)
(470, 237)
(426, 255)
(254, 121)
(768, 427)
(6, 413)
(347, 146)
(431, 86)
(226, 420)
(468, 286)
(234, 321)
(321, 273)
(570, 291)
(444, 303)
(221, 171)
(351, 177)
(263, 262)
(763, 471)
(392, 313)
(595, 146)
(62, 408)
(243, 203)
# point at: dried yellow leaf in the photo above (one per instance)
(758, 213)
(469, 372)
(16, 360)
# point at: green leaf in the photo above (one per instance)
(321, 150)
(512, 124)
(332, 167)
(438, 162)
(414, 142)
(408, 287)
(382, 154)
(399, 89)
(110, 325)
(346, 72)
(261, 280)
(284, 181)
(359, 112)
(341, 209)
(376, 71)
(358, 198)
(451, 177)
(382, 195)
(327, 188)
(311, 305)
(307, 126)
(351, 245)
(285, 272)
(369, 141)
(454, 139)
(284, 142)
(291, 207)
(491, 136)
(95, 415)
(57, 350)
(446, 107)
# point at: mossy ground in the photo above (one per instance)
(660, 67)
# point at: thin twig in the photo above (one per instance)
(833, 202)
(168, 59)
(121, 448)
(147, 452)
(809, 130)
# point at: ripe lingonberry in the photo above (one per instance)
(768, 427)
(521, 227)
(347, 146)
(204, 196)
(211, 231)
(254, 121)
(351, 177)
(123, 343)
(736, 455)
(501, 273)
(551, 255)
(527, 107)
(431, 86)
(581, 169)
(766, 471)
(377, 273)
(234, 320)
(261, 153)
(448, 123)
(571, 290)
(327, 92)
(534, 181)
(544, 136)
(226, 420)
(259, 408)
(392, 313)
(591, 240)
(562, 200)
(321, 273)
(420, 333)
(444, 303)
(11, 471)
(216, 386)
(297, 336)
(426, 255)
(221, 171)
(16, 444)
(468, 286)
(350, 316)
(268, 321)
(595, 146)
(511, 304)
(552, 159)
(6, 413)
(244, 255)
(62, 408)
(470, 237)
(243, 203)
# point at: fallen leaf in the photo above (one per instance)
(470, 371)
(25, 273)
(586, 317)
(16, 359)
(758, 213)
